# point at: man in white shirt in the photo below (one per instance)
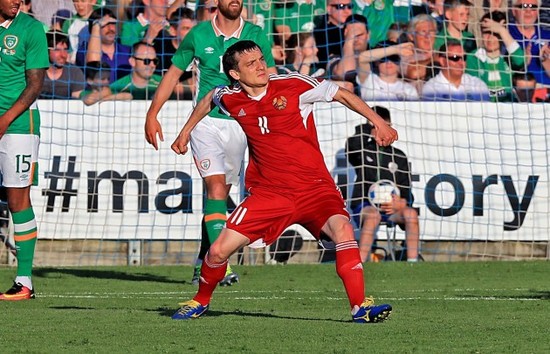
(452, 83)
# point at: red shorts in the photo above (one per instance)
(265, 214)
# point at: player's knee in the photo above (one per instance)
(343, 233)
(216, 254)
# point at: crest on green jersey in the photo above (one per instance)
(10, 41)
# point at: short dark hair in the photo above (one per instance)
(180, 14)
(138, 44)
(522, 76)
(230, 61)
(383, 112)
(356, 18)
(450, 42)
(98, 14)
(496, 16)
(55, 37)
(93, 68)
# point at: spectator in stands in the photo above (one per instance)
(26, 7)
(421, 65)
(291, 17)
(487, 62)
(45, 10)
(329, 29)
(147, 25)
(379, 15)
(356, 39)
(77, 26)
(181, 22)
(98, 90)
(383, 83)
(62, 81)
(525, 89)
(373, 163)
(452, 83)
(480, 8)
(532, 37)
(142, 82)
(456, 21)
(104, 45)
(437, 12)
(302, 56)
(59, 19)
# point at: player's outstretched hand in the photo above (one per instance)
(180, 144)
(385, 135)
(152, 129)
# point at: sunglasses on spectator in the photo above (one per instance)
(148, 61)
(527, 6)
(342, 6)
(455, 57)
(212, 9)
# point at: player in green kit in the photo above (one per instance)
(218, 142)
(23, 64)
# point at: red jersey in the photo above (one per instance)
(282, 138)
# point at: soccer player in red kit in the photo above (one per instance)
(287, 179)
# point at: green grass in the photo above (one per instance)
(499, 307)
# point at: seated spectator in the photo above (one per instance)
(329, 29)
(302, 56)
(98, 90)
(452, 83)
(373, 163)
(487, 62)
(291, 17)
(77, 26)
(62, 81)
(456, 21)
(104, 46)
(181, 22)
(142, 82)
(525, 89)
(147, 25)
(437, 12)
(379, 15)
(59, 19)
(383, 83)
(532, 37)
(420, 66)
(480, 8)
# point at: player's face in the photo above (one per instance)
(8, 9)
(59, 55)
(252, 69)
(230, 9)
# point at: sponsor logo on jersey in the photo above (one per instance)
(205, 164)
(279, 102)
(242, 113)
(209, 50)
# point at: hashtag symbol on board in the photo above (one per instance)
(56, 176)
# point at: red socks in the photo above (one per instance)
(350, 270)
(211, 275)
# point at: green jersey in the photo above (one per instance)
(379, 15)
(298, 16)
(23, 47)
(125, 84)
(468, 40)
(205, 45)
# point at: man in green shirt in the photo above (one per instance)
(218, 143)
(23, 64)
(142, 82)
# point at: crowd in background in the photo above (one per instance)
(484, 50)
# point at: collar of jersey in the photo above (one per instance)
(235, 34)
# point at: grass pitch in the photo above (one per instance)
(498, 307)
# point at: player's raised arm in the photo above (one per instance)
(385, 135)
(162, 94)
(200, 111)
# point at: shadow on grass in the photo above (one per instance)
(71, 308)
(532, 295)
(168, 312)
(104, 274)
